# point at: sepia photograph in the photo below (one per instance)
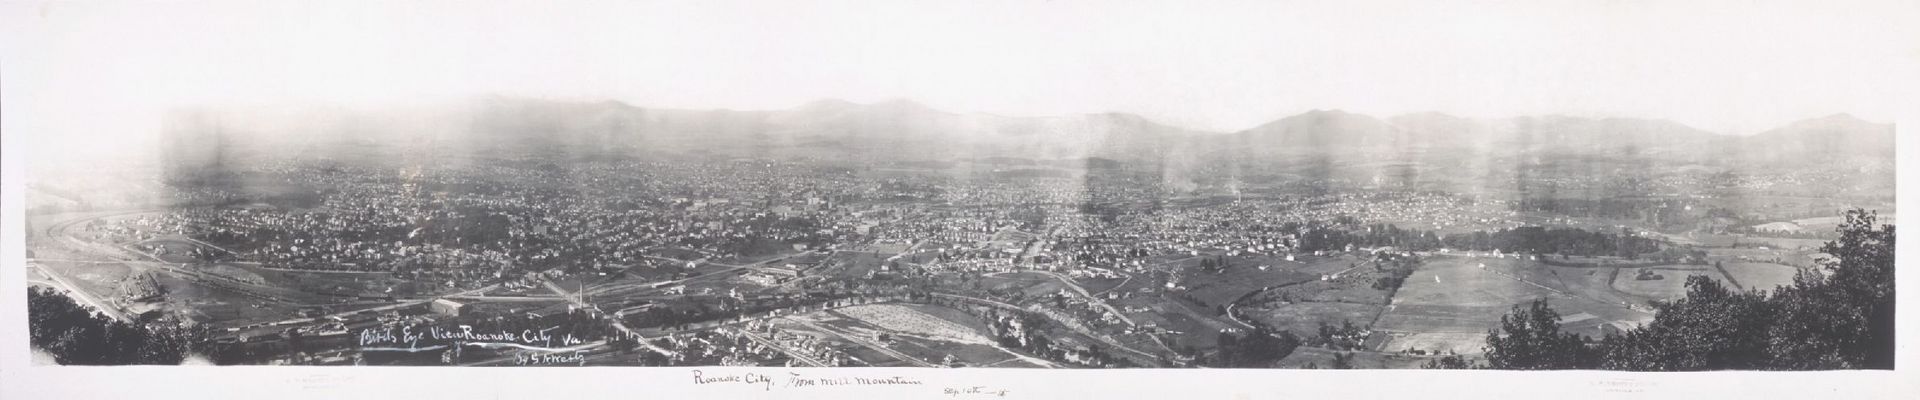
(787, 195)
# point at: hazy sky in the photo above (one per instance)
(85, 70)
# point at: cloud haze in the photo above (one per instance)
(90, 71)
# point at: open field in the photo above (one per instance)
(1761, 276)
(1828, 224)
(1451, 302)
(1304, 318)
(1323, 359)
(1786, 243)
(1097, 286)
(100, 278)
(174, 249)
(1757, 253)
(1671, 285)
(1429, 318)
(1213, 289)
(1460, 282)
(1455, 342)
(1590, 283)
(1323, 265)
(1352, 287)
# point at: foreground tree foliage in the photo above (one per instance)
(1530, 338)
(1258, 348)
(75, 335)
(1839, 319)
(1712, 328)
(1842, 321)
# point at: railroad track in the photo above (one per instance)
(868, 344)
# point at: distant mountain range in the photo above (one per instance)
(904, 130)
(892, 129)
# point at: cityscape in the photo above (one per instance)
(508, 231)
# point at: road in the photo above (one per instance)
(1082, 291)
(1123, 283)
(1026, 259)
(1236, 318)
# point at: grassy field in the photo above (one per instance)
(174, 249)
(1671, 286)
(1451, 302)
(102, 279)
(1459, 281)
(1787, 243)
(1323, 359)
(1457, 342)
(1304, 318)
(1762, 276)
(1430, 318)
(1353, 287)
(1036, 288)
(1238, 280)
(1590, 283)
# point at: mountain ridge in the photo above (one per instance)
(900, 128)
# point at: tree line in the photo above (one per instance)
(1521, 240)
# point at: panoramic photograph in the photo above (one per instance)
(1034, 197)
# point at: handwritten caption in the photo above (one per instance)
(412, 337)
(796, 380)
(799, 381)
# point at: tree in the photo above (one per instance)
(1843, 320)
(1530, 339)
(75, 335)
(1712, 328)
(1342, 361)
(1258, 349)
(1449, 362)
